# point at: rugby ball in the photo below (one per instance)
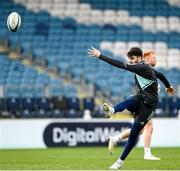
(13, 21)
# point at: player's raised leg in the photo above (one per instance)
(126, 104)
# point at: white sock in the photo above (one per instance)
(147, 151)
(116, 138)
(111, 109)
(120, 162)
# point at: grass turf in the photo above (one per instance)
(85, 158)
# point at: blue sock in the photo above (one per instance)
(129, 103)
(136, 128)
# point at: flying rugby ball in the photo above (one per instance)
(13, 21)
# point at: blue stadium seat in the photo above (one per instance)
(41, 28)
(60, 107)
(26, 114)
(58, 114)
(70, 91)
(2, 106)
(56, 90)
(74, 103)
(28, 104)
(42, 114)
(13, 106)
(43, 104)
(88, 103)
(60, 103)
(161, 36)
(161, 108)
(11, 91)
(77, 74)
(39, 90)
(174, 11)
(174, 106)
(29, 107)
(27, 90)
(69, 23)
(43, 79)
(148, 36)
(98, 113)
(122, 33)
(27, 80)
(71, 114)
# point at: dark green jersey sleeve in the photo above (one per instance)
(161, 77)
(135, 68)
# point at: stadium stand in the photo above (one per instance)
(56, 35)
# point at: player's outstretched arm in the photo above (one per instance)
(136, 68)
(96, 53)
(169, 89)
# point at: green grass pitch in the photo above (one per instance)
(85, 158)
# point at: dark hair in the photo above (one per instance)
(135, 51)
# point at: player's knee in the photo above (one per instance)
(136, 129)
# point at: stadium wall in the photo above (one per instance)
(43, 133)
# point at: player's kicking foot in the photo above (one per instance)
(111, 145)
(117, 165)
(108, 111)
(151, 157)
